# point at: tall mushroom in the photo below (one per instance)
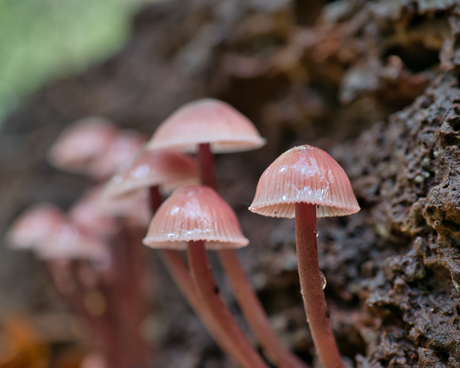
(44, 229)
(167, 169)
(195, 218)
(206, 126)
(305, 182)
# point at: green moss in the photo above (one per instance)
(40, 40)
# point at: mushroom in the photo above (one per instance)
(305, 182)
(122, 149)
(66, 241)
(34, 225)
(168, 168)
(192, 218)
(205, 126)
(124, 279)
(44, 229)
(82, 143)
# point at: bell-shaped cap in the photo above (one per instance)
(86, 215)
(194, 213)
(206, 121)
(67, 242)
(133, 206)
(34, 225)
(81, 143)
(304, 174)
(124, 147)
(170, 168)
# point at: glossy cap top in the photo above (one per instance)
(34, 224)
(81, 143)
(304, 174)
(152, 169)
(206, 121)
(194, 213)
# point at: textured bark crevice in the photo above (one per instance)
(407, 173)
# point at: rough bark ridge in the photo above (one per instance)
(349, 76)
(406, 173)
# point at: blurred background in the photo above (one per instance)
(305, 72)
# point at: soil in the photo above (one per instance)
(375, 83)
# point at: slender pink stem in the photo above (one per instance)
(72, 294)
(206, 165)
(181, 275)
(255, 313)
(209, 292)
(139, 351)
(311, 285)
(248, 301)
(125, 299)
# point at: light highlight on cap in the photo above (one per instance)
(304, 174)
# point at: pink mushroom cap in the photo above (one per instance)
(81, 143)
(206, 121)
(133, 206)
(194, 213)
(304, 174)
(34, 224)
(168, 168)
(66, 241)
(86, 215)
(123, 148)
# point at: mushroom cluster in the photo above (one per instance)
(96, 248)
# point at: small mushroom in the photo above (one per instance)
(210, 126)
(167, 168)
(205, 126)
(35, 224)
(305, 182)
(82, 143)
(195, 217)
(123, 148)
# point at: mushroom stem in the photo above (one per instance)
(248, 301)
(181, 276)
(255, 313)
(155, 199)
(206, 165)
(209, 292)
(73, 295)
(311, 286)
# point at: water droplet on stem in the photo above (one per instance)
(323, 280)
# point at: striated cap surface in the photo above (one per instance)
(304, 174)
(194, 213)
(167, 167)
(206, 121)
